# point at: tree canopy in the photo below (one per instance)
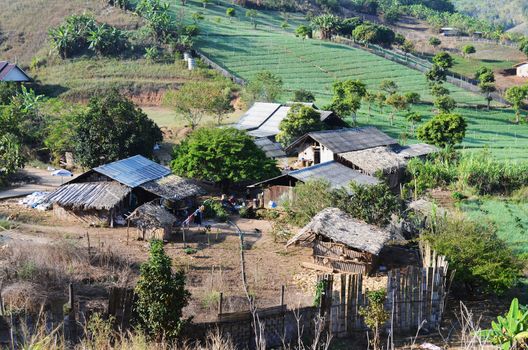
(112, 128)
(300, 120)
(443, 130)
(265, 87)
(347, 96)
(222, 155)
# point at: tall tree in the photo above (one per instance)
(486, 84)
(161, 295)
(112, 128)
(347, 96)
(370, 99)
(300, 120)
(398, 103)
(516, 95)
(389, 86)
(327, 25)
(265, 87)
(222, 155)
(468, 50)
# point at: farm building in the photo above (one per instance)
(152, 221)
(366, 149)
(262, 122)
(341, 243)
(280, 188)
(108, 192)
(449, 31)
(12, 72)
(521, 69)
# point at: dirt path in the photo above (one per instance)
(33, 180)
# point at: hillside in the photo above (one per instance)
(315, 65)
(508, 13)
(24, 25)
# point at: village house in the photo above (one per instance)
(366, 149)
(341, 243)
(12, 72)
(280, 188)
(109, 192)
(521, 69)
(262, 122)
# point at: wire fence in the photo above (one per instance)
(422, 65)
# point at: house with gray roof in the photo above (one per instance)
(106, 192)
(262, 122)
(11, 72)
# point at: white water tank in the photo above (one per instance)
(191, 63)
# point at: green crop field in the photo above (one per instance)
(315, 65)
(510, 218)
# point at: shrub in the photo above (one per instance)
(300, 120)
(443, 130)
(510, 330)
(430, 174)
(161, 295)
(309, 198)
(482, 261)
(215, 210)
(375, 315)
(247, 212)
(374, 204)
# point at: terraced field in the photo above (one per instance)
(315, 65)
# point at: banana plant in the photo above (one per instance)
(511, 330)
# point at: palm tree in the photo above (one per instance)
(327, 24)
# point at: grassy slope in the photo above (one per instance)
(314, 65)
(24, 25)
(510, 218)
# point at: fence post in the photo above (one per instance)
(220, 302)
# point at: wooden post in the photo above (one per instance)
(89, 247)
(282, 296)
(2, 307)
(220, 302)
(72, 323)
(128, 229)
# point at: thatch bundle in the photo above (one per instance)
(103, 195)
(151, 216)
(339, 227)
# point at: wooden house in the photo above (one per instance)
(341, 243)
(105, 193)
(280, 188)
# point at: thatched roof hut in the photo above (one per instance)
(375, 159)
(152, 221)
(341, 242)
(89, 195)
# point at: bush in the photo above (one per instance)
(309, 198)
(443, 130)
(482, 261)
(247, 213)
(215, 210)
(161, 295)
(430, 174)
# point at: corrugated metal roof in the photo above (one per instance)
(272, 149)
(102, 195)
(336, 173)
(347, 140)
(272, 124)
(257, 115)
(133, 171)
(260, 133)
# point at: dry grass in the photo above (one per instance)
(32, 273)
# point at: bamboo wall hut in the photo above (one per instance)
(152, 221)
(342, 243)
(111, 191)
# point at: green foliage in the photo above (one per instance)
(445, 104)
(436, 75)
(412, 98)
(113, 128)
(443, 130)
(7, 91)
(319, 290)
(516, 95)
(230, 12)
(302, 208)
(303, 31)
(11, 157)
(348, 25)
(224, 156)
(430, 174)
(398, 103)
(391, 15)
(252, 15)
(79, 33)
(373, 204)
(247, 213)
(151, 53)
(195, 99)
(443, 60)
(374, 34)
(300, 120)
(265, 87)
(375, 315)
(190, 251)
(346, 98)
(389, 86)
(482, 261)
(161, 295)
(434, 41)
(303, 95)
(511, 330)
(468, 50)
(215, 210)
(327, 25)
(439, 90)
(158, 17)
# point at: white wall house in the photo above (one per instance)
(522, 69)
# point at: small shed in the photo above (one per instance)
(341, 242)
(450, 31)
(152, 221)
(521, 69)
